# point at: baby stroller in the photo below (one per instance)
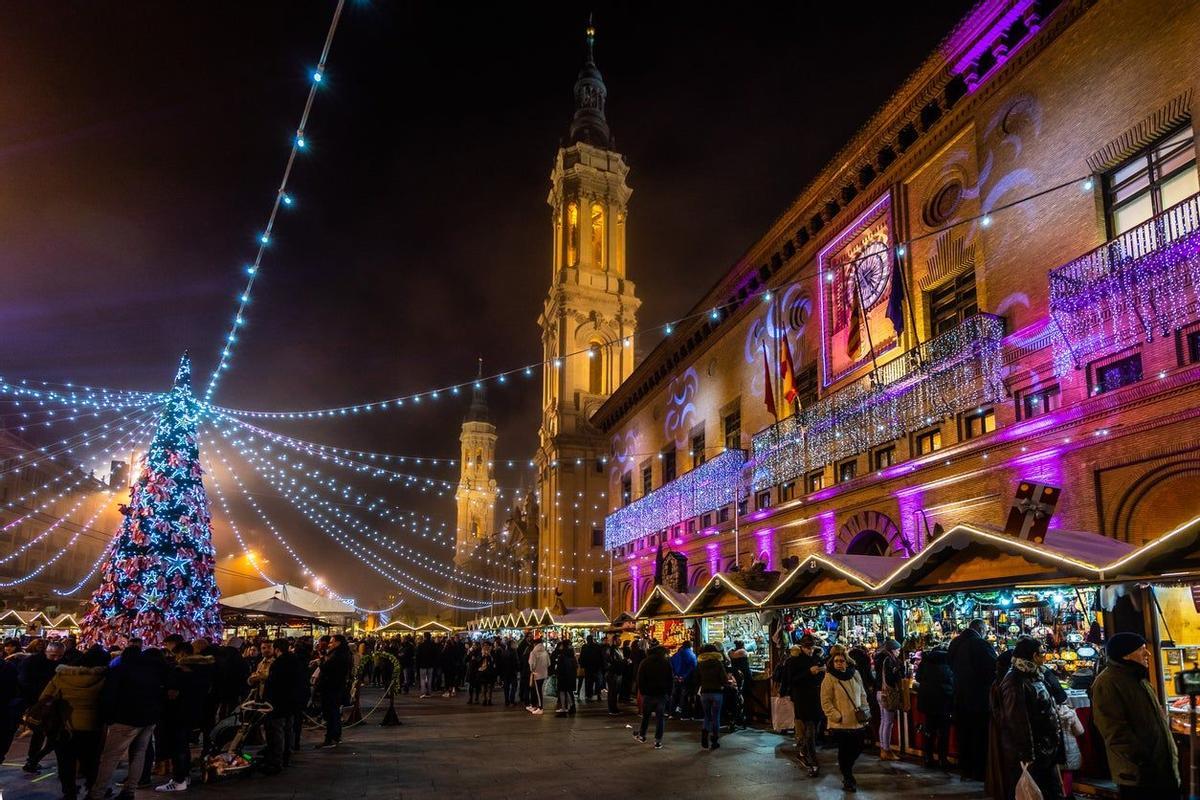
(732, 711)
(225, 756)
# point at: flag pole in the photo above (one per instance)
(865, 322)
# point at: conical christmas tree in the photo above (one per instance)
(159, 577)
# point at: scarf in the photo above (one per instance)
(841, 676)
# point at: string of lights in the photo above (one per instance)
(67, 446)
(43, 566)
(266, 520)
(233, 526)
(715, 314)
(281, 200)
(76, 395)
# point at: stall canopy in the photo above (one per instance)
(582, 617)
(312, 604)
(965, 554)
(276, 606)
(432, 626)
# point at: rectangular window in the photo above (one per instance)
(1037, 402)
(847, 470)
(597, 537)
(599, 466)
(978, 422)
(743, 507)
(691, 526)
(626, 488)
(668, 464)
(929, 442)
(1151, 181)
(806, 385)
(698, 455)
(814, 481)
(647, 479)
(723, 515)
(950, 304)
(733, 429)
(706, 520)
(787, 491)
(763, 499)
(597, 587)
(1115, 374)
(883, 458)
(1193, 347)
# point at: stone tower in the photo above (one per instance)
(588, 322)
(476, 493)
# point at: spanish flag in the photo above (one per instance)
(854, 336)
(787, 372)
(768, 392)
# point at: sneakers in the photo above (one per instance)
(657, 744)
(173, 786)
(445, 694)
(423, 696)
(328, 745)
(537, 712)
(641, 737)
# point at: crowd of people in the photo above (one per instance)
(95, 708)
(148, 706)
(1010, 713)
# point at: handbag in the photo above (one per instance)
(863, 717)
(46, 716)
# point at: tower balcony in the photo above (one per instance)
(706, 488)
(955, 371)
(1142, 283)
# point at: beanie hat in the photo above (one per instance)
(1026, 648)
(891, 644)
(808, 640)
(1122, 644)
(794, 650)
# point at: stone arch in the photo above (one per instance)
(871, 533)
(698, 578)
(1158, 501)
(627, 597)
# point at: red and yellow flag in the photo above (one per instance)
(787, 372)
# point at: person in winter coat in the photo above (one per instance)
(1028, 721)
(683, 664)
(935, 696)
(890, 673)
(333, 686)
(1137, 736)
(11, 704)
(1070, 728)
(189, 684)
(78, 688)
(474, 655)
(33, 674)
(713, 677)
(844, 701)
(131, 705)
(591, 659)
(524, 679)
(614, 666)
(485, 673)
(286, 689)
(803, 673)
(566, 671)
(408, 663)
(539, 670)
(508, 671)
(655, 680)
(426, 660)
(973, 661)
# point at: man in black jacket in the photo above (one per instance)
(973, 661)
(614, 672)
(427, 659)
(655, 680)
(283, 691)
(32, 676)
(591, 659)
(332, 685)
(131, 703)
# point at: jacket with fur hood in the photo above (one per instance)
(79, 688)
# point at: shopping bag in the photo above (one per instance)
(1027, 789)
(783, 714)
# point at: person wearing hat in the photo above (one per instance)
(1141, 752)
(802, 675)
(1028, 723)
(891, 675)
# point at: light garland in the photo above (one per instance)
(957, 370)
(1145, 282)
(68, 445)
(706, 488)
(49, 562)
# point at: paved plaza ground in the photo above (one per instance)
(448, 749)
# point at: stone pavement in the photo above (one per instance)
(448, 749)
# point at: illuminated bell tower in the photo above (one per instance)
(588, 323)
(476, 493)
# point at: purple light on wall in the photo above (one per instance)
(714, 557)
(1044, 466)
(762, 513)
(829, 531)
(633, 581)
(765, 539)
(978, 44)
(911, 503)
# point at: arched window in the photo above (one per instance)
(598, 235)
(595, 369)
(572, 235)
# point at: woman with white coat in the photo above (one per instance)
(844, 702)
(539, 668)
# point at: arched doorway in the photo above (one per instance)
(868, 543)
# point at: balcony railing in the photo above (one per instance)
(1145, 281)
(706, 488)
(953, 372)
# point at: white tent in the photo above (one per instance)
(318, 605)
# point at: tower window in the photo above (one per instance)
(597, 537)
(668, 464)
(598, 235)
(733, 429)
(572, 235)
(595, 369)
(698, 446)
(1151, 181)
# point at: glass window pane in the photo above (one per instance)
(1132, 214)
(1180, 187)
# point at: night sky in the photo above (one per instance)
(141, 144)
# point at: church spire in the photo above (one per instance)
(589, 124)
(479, 410)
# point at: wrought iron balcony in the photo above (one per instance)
(1145, 281)
(706, 488)
(953, 372)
